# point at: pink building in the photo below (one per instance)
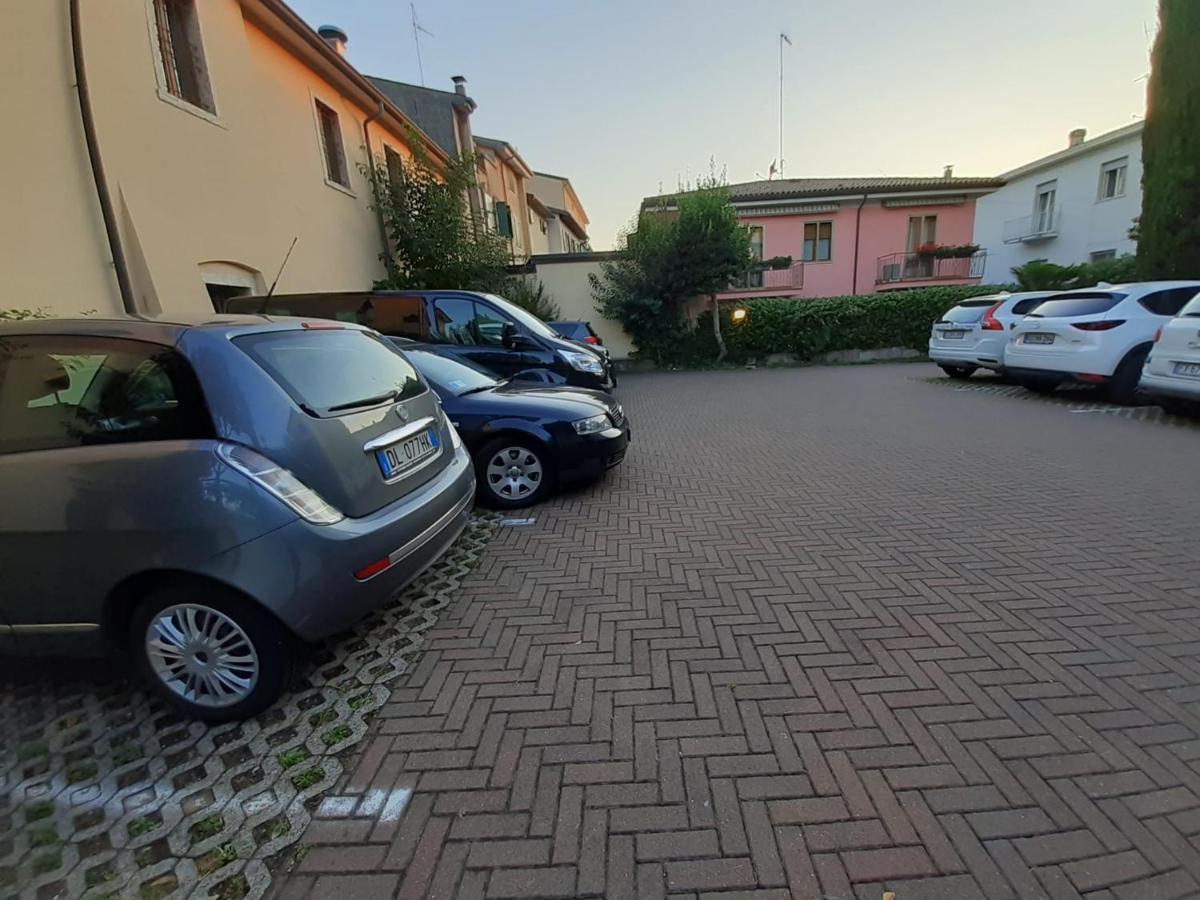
(861, 235)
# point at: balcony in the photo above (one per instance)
(768, 281)
(895, 268)
(1041, 226)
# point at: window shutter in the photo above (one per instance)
(504, 219)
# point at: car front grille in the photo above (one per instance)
(617, 414)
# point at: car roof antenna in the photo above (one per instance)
(282, 265)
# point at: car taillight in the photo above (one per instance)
(990, 322)
(591, 339)
(1107, 325)
(1158, 334)
(276, 480)
(321, 326)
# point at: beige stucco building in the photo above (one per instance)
(502, 177)
(566, 222)
(225, 130)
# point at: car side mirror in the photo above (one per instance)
(508, 336)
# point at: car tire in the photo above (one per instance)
(513, 472)
(1122, 388)
(176, 633)
(960, 372)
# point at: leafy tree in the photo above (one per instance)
(531, 297)
(1169, 228)
(434, 239)
(1040, 275)
(693, 250)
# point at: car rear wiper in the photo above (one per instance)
(366, 401)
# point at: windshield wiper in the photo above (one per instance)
(482, 387)
(366, 401)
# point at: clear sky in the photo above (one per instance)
(623, 96)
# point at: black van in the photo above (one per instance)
(485, 329)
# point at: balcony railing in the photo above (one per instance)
(1040, 226)
(769, 280)
(896, 267)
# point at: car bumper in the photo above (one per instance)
(590, 456)
(1170, 386)
(1061, 363)
(972, 357)
(305, 573)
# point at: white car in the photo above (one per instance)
(1172, 372)
(972, 335)
(1100, 335)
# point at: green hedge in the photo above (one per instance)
(808, 328)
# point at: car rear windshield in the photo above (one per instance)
(453, 375)
(333, 371)
(967, 312)
(1193, 307)
(1077, 305)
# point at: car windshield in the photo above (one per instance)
(1077, 305)
(529, 320)
(450, 375)
(1192, 308)
(966, 312)
(332, 370)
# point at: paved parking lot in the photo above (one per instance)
(828, 632)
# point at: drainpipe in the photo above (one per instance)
(857, 226)
(93, 148)
(383, 235)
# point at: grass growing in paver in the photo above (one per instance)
(43, 836)
(323, 717)
(227, 853)
(31, 751)
(293, 757)
(206, 828)
(158, 888)
(126, 754)
(358, 701)
(141, 825)
(47, 862)
(99, 875)
(307, 778)
(39, 811)
(336, 735)
(83, 772)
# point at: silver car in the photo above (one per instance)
(204, 495)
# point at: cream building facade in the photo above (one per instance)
(225, 130)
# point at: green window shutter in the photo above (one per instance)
(504, 224)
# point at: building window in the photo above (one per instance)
(818, 242)
(1043, 207)
(181, 54)
(331, 145)
(1112, 178)
(1098, 255)
(394, 163)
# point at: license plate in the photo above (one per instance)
(1039, 339)
(1192, 369)
(952, 335)
(397, 458)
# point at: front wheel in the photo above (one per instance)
(513, 472)
(211, 653)
(960, 372)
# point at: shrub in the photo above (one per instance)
(1040, 275)
(809, 328)
(531, 297)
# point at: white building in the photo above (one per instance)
(1073, 206)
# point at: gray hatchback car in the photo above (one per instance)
(199, 495)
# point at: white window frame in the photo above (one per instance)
(160, 74)
(321, 156)
(1099, 255)
(1121, 168)
(1046, 187)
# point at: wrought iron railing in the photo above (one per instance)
(788, 279)
(896, 267)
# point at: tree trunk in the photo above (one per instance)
(716, 314)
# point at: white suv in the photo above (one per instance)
(972, 335)
(1172, 372)
(1100, 335)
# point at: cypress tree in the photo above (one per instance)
(1169, 229)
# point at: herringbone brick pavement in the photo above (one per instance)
(826, 633)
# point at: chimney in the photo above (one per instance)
(1076, 137)
(948, 172)
(334, 37)
(460, 85)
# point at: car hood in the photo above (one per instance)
(540, 400)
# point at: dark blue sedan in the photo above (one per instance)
(526, 438)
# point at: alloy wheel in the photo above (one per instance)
(202, 655)
(514, 473)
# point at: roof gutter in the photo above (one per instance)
(857, 232)
(383, 235)
(120, 267)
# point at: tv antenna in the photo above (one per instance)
(782, 39)
(418, 30)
